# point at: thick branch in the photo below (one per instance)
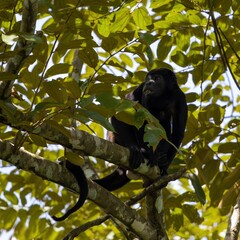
(234, 223)
(76, 140)
(58, 174)
(152, 188)
(23, 47)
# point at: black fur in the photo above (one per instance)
(163, 98)
(83, 185)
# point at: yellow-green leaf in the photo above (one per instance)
(142, 18)
(7, 76)
(10, 196)
(56, 69)
(122, 19)
(55, 90)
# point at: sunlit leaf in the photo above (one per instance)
(56, 69)
(153, 135)
(55, 90)
(121, 20)
(108, 100)
(164, 47)
(74, 158)
(180, 59)
(89, 56)
(142, 17)
(103, 26)
(177, 216)
(9, 217)
(10, 196)
(158, 4)
(9, 39)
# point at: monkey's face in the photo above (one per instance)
(159, 82)
(154, 85)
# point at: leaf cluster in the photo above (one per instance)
(115, 44)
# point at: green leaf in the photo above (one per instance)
(74, 44)
(104, 26)
(96, 117)
(56, 69)
(142, 18)
(197, 187)
(192, 214)
(158, 4)
(232, 177)
(122, 18)
(233, 123)
(39, 141)
(180, 59)
(74, 158)
(9, 39)
(109, 44)
(125, 104)
(7, 76)
(227, 147)
(177, 217)
(43, 106)
(9, 217)
(56, 91)
(23, 195)
(31, 37)
(150, 56)
(73, 87)
(194, 18)
(164, 47)
(183, 40)
(216, 188)
(89, 56)
(229, 198)
(10, 196)
(108, 100)
(126, 60)
(192, 97)
(127, 116)
(6, 4)
(153, 135)
(147, 38)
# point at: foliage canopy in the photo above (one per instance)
(77, 67)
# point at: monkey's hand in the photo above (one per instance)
(162, 162)
(136, 157)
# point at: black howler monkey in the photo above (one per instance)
(163, 98)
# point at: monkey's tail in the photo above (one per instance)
(115, 180)
(81, 179)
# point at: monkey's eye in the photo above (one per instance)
(158, 78)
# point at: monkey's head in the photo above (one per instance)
(159, 82)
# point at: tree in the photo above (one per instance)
(59, 86)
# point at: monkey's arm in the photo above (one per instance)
(127, 135)
(178, 124)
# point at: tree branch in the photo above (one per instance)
(23, 47)
(74, 139)
(234, 223)
(58, 174)
(153, 187)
